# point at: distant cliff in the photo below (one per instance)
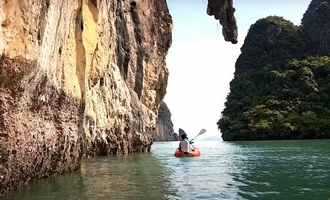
(164, 126)
(281, 84)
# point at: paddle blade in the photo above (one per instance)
(201, 132)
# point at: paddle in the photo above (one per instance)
(201, 132)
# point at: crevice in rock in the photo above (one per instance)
(94, 2)
(93, 9)
(80, 71)
(138, 32)
(42, 21)
(123, 46)
(47, 3)
(139, 75)
(80, 53)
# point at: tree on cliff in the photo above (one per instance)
(281, 84)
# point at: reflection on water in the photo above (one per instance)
(133, 177)
(244, 170)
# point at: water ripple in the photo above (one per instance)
(242, 171)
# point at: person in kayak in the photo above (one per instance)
(184, 145)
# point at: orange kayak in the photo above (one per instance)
(194, 153)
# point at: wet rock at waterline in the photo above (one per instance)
(281, 84)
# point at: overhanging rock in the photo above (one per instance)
(223, 10)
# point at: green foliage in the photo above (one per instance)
(279, 91)
(271, 41)
(292, 101)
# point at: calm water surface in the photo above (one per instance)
(244, 170)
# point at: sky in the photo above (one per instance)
(202, 65)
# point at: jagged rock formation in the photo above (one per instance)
(78, 78)
(281, 85)
(223, 10)
(164, 127)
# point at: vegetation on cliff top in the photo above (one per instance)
(288, 102)
(281, 88)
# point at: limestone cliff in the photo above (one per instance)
(281, 84)
(164, 126)
(78, 78)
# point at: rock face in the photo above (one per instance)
(223, 10)
(78, 78)
(281, 84)
(164, 127)
(317, 26)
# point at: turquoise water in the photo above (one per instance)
(244, 170)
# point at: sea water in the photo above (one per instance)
(226, 170)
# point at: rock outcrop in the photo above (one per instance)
(78, 78)
(164, 126)
(317, 26)
(224, 11)
(281, 86)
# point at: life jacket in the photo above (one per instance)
(185, 146)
